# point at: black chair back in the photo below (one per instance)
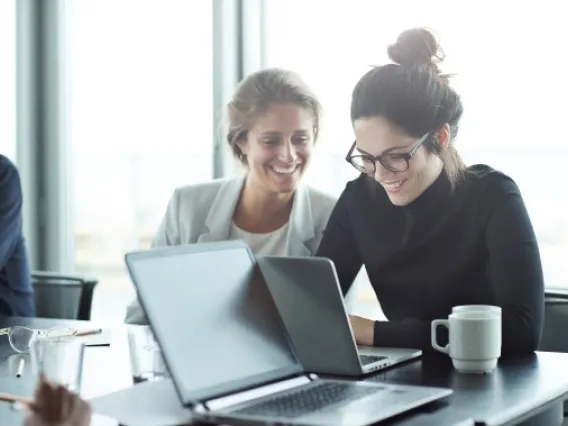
(63, 296)
(554, 338)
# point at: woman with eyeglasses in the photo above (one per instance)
(431, 232)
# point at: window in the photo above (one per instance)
(8, 79)
(509, 75)
(141, 125)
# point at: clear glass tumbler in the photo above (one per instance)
(146, 358)
(59, 358)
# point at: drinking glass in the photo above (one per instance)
(59, 358)
(146, 358)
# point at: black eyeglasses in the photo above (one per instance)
(394, 162)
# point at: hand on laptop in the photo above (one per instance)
(364, 330)
(55, 405)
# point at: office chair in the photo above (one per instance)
(554, 338)
(63, 296)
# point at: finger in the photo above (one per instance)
(81, 413)
(72, 403)
(85, 413)
(49, 409)
(43, 382)
(48, 394)
(31, 420)
(41, 394)
(63, 403)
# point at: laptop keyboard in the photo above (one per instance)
(307, 400)
(369, 359)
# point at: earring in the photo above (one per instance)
(243, 157)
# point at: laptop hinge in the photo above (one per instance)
(249, 395)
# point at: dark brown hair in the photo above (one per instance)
(413, 94)
(257, 93)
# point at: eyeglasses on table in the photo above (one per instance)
(20, 336)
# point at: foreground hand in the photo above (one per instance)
(56, 406)
(364, 330)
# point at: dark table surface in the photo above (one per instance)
(518, 389)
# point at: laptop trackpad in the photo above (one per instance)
(373, 408)
(370, 359)
(390, 403)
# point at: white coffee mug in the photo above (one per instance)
(474, 340)
(471, 308)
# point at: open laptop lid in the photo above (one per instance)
(307, 293)
(213, 318)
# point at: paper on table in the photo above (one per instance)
(145, 404)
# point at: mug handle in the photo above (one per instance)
(434, 337)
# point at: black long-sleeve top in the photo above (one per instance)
(471, 245)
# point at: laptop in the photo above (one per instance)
(307, 293)
(228, 353)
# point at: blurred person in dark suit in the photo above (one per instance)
(16, 292)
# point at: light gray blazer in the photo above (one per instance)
(203, 212)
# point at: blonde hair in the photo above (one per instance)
(257, 93)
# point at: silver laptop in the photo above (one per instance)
(227, 350)
(309, 299)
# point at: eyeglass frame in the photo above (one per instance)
(407, 156)
(8, 330)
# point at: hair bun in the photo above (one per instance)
(416, 46)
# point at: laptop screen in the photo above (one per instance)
(213, 318)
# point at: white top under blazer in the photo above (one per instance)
(268, 244)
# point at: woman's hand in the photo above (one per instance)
(56, 406)
(364, 330)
